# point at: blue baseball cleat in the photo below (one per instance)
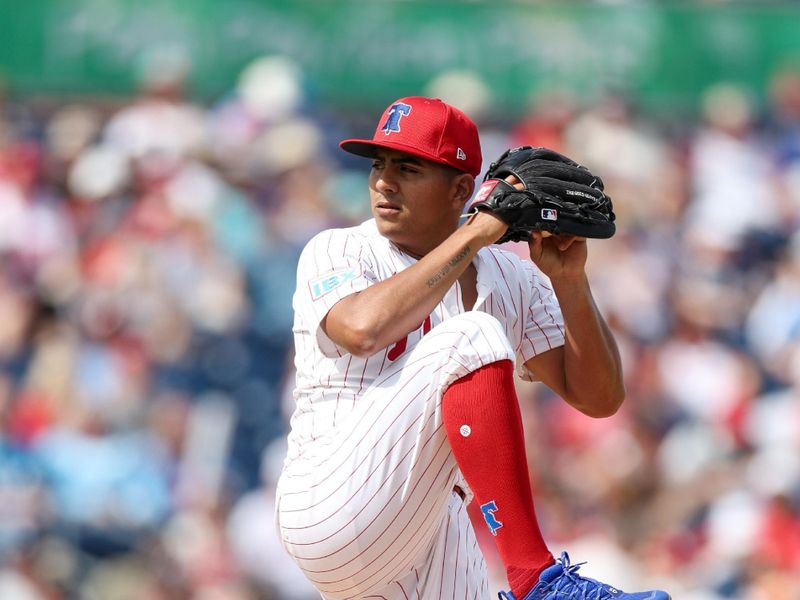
(561, 582)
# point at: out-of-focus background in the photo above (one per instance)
(162, 163)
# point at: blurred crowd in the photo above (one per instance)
(147, 257)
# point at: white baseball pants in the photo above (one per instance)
(370, 510)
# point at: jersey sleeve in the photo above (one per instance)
(332, 265)
(544, 323)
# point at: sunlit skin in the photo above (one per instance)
(416, 202)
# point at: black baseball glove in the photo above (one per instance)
(560, 196)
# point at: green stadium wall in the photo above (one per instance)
(364, 52)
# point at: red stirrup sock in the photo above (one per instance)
(484, 427)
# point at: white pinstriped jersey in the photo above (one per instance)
(368, 461)
(339, 262)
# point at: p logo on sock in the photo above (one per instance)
(488, 511)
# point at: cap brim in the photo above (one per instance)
(368, 148)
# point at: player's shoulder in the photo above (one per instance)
(518, 273)
(507, 265)
(506, 260)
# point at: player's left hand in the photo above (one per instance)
(558, 256)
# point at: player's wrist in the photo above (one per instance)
(486, 226)
(569, 283)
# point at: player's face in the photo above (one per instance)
(416, 203)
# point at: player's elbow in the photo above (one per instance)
(352, 332)
(600, 405)
(362, 347)
(602, 411)
(606, 405)
(360, 340)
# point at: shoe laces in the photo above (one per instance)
(570, 582)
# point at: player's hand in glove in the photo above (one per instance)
(558, 196)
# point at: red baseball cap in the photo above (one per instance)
(427, 128)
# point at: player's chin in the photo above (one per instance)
(392, 228)
(389, 221)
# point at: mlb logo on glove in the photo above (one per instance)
(549, 214)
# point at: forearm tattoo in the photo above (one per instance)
(450, 264)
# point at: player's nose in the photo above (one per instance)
(386, 182)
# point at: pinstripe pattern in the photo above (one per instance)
(366, 502)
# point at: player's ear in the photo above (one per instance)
(463, 185)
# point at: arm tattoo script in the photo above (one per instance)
(450, 264)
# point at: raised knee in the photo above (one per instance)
(476, 321)
(476, 329)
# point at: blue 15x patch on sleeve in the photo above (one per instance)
(330, 281)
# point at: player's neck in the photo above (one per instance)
(412, 253)
(419, 248)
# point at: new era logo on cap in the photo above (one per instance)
(427, 128)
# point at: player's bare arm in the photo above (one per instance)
(587, 370)
(368, 321)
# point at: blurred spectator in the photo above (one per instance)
(731, 173)
(161, 125)
(784, 121)
(636, 164)
(773, 321)
(550, 113)
(256, 130)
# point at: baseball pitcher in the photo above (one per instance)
(409, 329)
